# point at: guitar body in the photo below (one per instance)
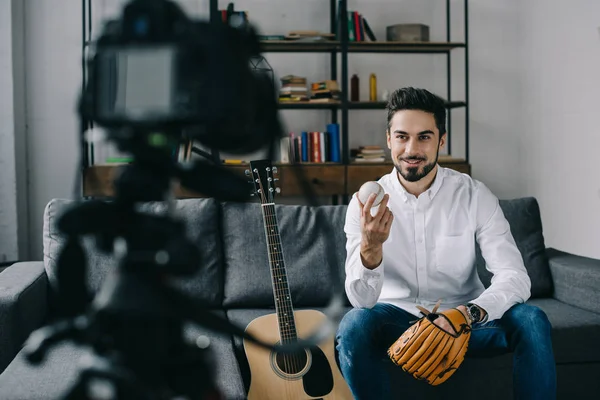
(312, 375)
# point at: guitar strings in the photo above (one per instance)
(290, 361)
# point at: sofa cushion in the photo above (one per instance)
(574, 331)
(201, 222)
(52, 378)
(313, 244)
(523, 215)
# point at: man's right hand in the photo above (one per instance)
(375, 230)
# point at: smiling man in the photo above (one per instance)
(418, 248)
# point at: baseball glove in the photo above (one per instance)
(428, 352)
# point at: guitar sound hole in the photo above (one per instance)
(291, 364)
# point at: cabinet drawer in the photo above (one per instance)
(324, 180)
(359, 174)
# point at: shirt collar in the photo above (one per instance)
(430, 193)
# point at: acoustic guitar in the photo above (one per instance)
(308, 374)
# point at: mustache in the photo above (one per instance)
(413, 158)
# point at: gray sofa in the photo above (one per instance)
(234, 281)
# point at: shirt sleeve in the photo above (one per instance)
(363, 285)
(510, 283)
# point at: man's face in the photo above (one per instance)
(414, 141)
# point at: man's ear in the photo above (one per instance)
(388, 139)
(443, 140)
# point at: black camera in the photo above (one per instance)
(157, 70)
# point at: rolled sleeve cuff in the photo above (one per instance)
(368, 275)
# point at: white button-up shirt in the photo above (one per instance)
(430, 252)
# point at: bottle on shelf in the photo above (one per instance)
(354, 96)
(373, 88)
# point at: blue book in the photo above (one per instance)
(333, 130)
(304, 140)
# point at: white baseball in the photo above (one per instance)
(371, 187)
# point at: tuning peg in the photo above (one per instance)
(275, 179)
(247, 172)
(278, 190)
(274, 170)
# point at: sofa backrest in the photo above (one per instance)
(201, 217)
(234, 272)
(523, 216)
(313, 245)
(313, 242)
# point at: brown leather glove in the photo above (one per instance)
(428, 352)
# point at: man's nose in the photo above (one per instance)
(412, 146)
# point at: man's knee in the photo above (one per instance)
(355, 322)
(529, 318)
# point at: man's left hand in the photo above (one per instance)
(445, 325)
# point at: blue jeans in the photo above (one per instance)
(364, 336)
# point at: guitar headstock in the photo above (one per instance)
(263, 180)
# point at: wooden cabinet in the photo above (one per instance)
(322, 179)
(356, 175)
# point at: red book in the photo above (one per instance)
(316, 146)
(357, 31)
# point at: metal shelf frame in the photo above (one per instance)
(341, 47)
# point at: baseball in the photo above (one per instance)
(371, 187)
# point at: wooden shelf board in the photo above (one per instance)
(403, 47)
(380, 105)
(307, 105)
(292, 46)
(352, 105)
(358, 47)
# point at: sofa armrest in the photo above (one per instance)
(23, 306)
(576, 279)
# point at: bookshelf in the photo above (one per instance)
(326, 179)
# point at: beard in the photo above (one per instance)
(413, 174)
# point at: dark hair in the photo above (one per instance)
(410, 98)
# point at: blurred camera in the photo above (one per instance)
(157, 70)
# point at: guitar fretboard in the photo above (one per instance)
(281, 291)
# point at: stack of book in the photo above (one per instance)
(293, 88)
(325, 91)
(367, 154)
(358, 27)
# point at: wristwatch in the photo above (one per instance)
(474, 312)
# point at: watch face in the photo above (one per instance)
(475, 312)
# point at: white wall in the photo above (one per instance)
(560, 124)
(510, 42)
(8, 179)
(52, 35)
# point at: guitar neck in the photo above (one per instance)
(281, 291)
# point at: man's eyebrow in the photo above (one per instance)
(420, 133)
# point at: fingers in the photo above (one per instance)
(387, 219)
(383, 206)
(365, 210)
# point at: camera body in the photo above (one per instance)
(157, 70)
